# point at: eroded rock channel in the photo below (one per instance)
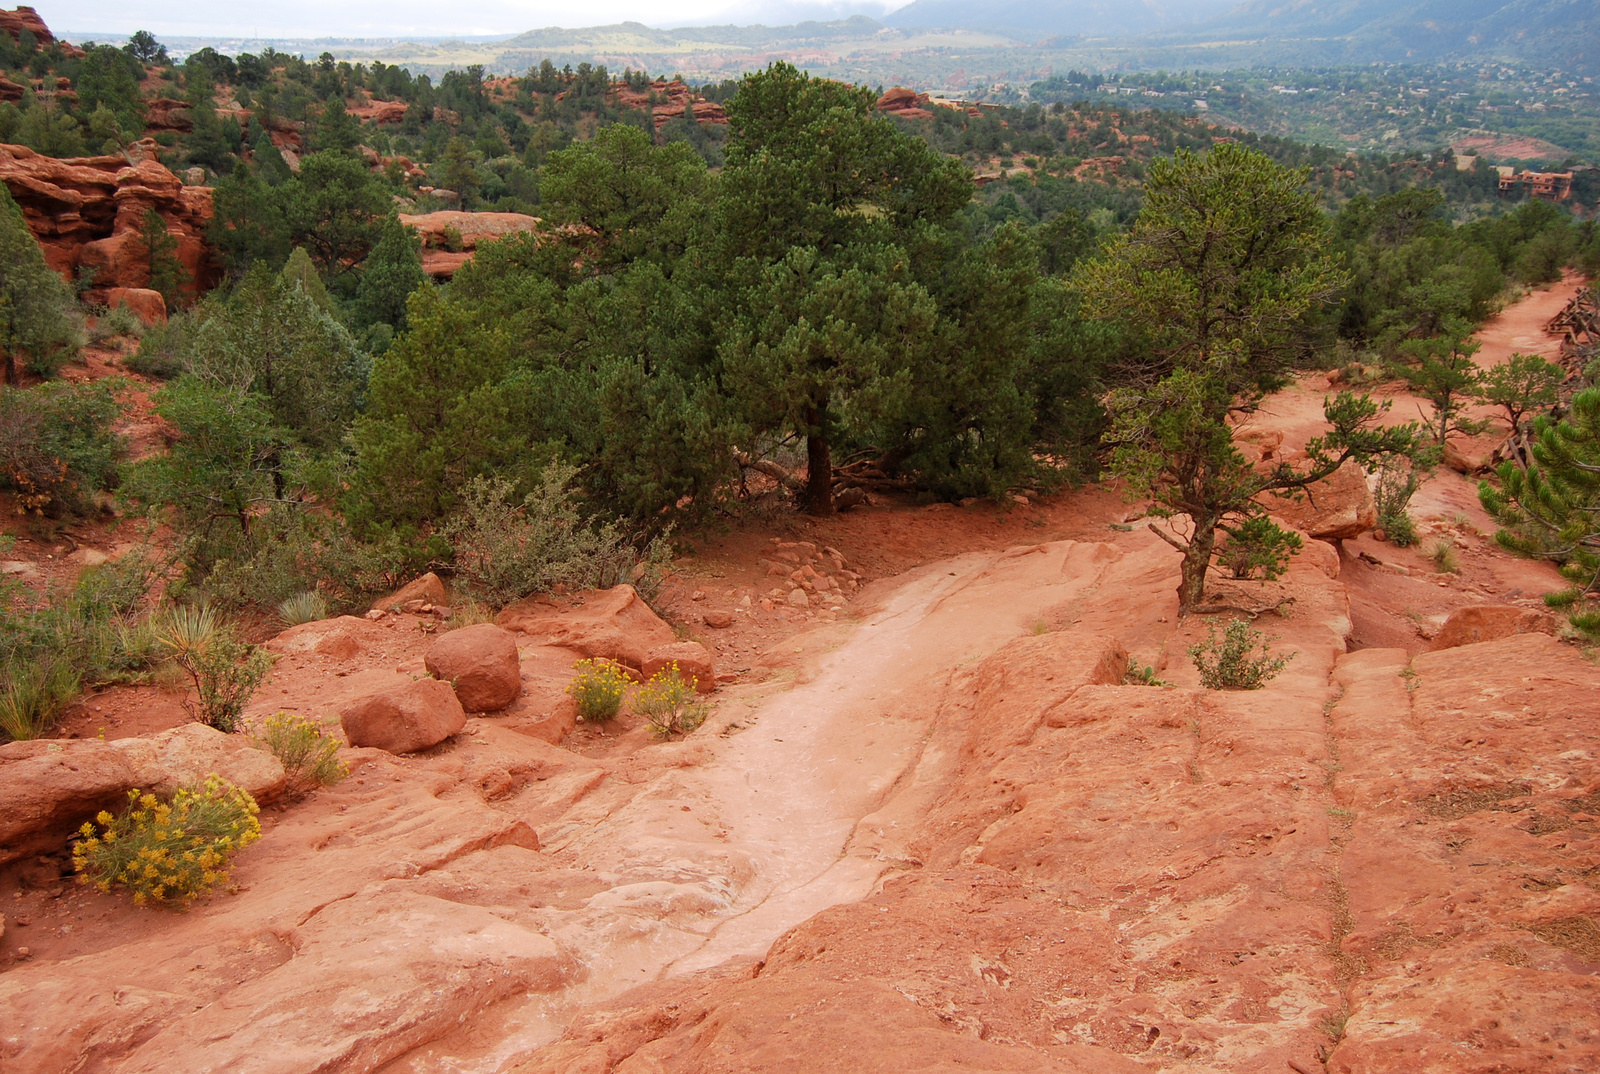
(948, 837)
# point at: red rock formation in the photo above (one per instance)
(678, 97)
(165, 114)
(905, 103)
(380, 111)
(480, 663)
(148, 305)
(473, 229)
(86, 213)
(25, 18)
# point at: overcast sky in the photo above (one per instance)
(111, 19)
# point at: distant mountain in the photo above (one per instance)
(1557, 32)
(1064, 18)
(1207, 33)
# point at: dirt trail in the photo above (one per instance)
(716, 861)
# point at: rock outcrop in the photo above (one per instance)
(427, 588)
(1490, 622)
(905, 103)
(612, 625)
(86, 213)
(463, 230)
(1337, 508)
(480, 662)
(673, 99)
(49, 787)
(404, 718)
(692, 659)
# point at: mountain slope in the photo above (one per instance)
(1094, 18)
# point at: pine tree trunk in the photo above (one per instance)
(1196, 561)
(819, 464)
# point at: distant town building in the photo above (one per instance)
(1555, 186)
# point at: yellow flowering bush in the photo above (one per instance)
(168, 851)
(669, 703)
(310, 756)
(598, 689)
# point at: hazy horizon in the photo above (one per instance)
(300, 19)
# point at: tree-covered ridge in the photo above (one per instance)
(817, 296)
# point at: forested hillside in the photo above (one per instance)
(764, 290)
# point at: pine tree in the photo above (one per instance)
(1551, 509)
(37, 314)
(1221, 274)
(167, 274)
(388, 276)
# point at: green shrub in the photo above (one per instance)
(168, 851)
(224, 670)
(89, 634)
(57, 446)
(307, 607)
(163, 348)
(310, 756)
(669, 703)
(119, 321)
(1229, 663)
(1258, 548)
(598, 689)
(504, 552)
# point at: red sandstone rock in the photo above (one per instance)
(148, 305)
(1490, 622)
(1336, 508)
(86, 213)
(612, 625)
(480, 661)
(473, 228)
(164, 114)
(49, 787)
(693, 660)
(906, 103)
(381, 111)
(428, 587)
(404, 718)
(25, 18)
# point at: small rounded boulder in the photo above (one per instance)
(481, 662)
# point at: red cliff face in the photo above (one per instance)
(25, 18)
(86, 213)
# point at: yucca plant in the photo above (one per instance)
(307, 607)
(225, 671)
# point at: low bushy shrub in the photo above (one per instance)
(91, 634)
(57, 446)
(32, 694)
(224, 670)
(168, 851)
(669, 703)
(598, 689)
(119, 321)
(1230, 663)
(504, 551)
(309, 755)
(1258, 548)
